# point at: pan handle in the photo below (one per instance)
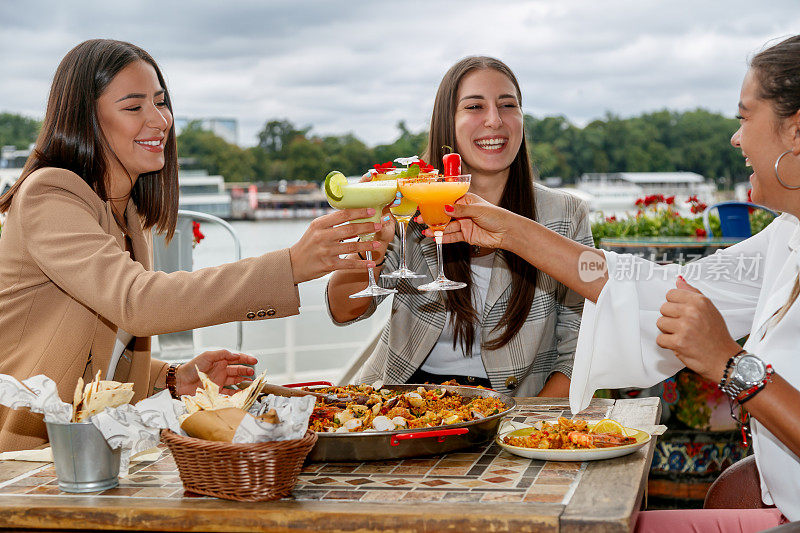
(441, 434)
(310, 384)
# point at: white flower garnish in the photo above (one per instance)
(406, 161)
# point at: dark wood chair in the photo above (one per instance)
(738, 487)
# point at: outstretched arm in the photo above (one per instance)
(579, 267)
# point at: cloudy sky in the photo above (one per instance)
(362, 66)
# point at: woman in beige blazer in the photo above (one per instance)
(75, 253)
(513, 328)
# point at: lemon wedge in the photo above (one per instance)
(334, 183)
(609, 426)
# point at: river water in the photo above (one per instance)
(304, 346)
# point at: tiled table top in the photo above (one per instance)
(478, 489)
(484, 473)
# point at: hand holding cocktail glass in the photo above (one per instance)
(475, 221)
(373, 194)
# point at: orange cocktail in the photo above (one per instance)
(432, 194)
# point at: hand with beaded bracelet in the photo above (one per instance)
(221, 366)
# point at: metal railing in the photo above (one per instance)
(177, 255)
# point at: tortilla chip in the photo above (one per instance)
(94, 397)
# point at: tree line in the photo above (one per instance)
(696, 141)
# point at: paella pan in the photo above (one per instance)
(400, 442)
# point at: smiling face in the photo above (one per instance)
(488, 122)
(763, 136)
(135, 120)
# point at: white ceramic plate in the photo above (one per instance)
(593, 454)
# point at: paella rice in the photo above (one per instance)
(374, 408)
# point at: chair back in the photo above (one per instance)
(734, 218)
(737, 487)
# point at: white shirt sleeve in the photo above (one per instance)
(617, 340)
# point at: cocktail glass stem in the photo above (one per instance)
(373, 289)
(403, 228)
(372, 283)
(441, 283)
(403, 271)
(439, 261)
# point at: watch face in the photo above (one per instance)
(750, 369)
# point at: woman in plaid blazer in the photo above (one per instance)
(513, 328)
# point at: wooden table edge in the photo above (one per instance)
(574, 520)
(131, 513)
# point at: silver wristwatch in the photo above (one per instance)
(747, 371)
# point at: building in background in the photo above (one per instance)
(227, 128)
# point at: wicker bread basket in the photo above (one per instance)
(243, 472)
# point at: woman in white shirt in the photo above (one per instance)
(642, 323)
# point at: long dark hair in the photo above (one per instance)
(71, 137)
(517, 197)
(777, 71)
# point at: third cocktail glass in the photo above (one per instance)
(432, 192)
(402, 212)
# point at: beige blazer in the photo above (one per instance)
(67, 283)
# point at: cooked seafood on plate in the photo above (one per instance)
(572, 440)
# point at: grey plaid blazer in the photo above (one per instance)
(545, 344)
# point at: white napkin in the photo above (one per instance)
(609, 352)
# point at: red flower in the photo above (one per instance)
(196, 233)
(700, 232)
(701, 207)
(382, 169)
(423, 166)
(639, 201)
(670, 200)
(612, 218)
(692, 200)
(750, 199)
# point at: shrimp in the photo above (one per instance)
(598, 440)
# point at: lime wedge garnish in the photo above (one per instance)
(334, 183)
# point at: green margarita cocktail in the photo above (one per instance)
(342, 194)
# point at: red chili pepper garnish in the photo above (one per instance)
(451, 163)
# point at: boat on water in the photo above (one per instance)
(11, 162)
(205, 193)
(8, 176)
(616, 192)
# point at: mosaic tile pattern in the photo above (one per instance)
(482, 474)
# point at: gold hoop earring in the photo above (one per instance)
(777, 162)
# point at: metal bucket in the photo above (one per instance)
(83, 459)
